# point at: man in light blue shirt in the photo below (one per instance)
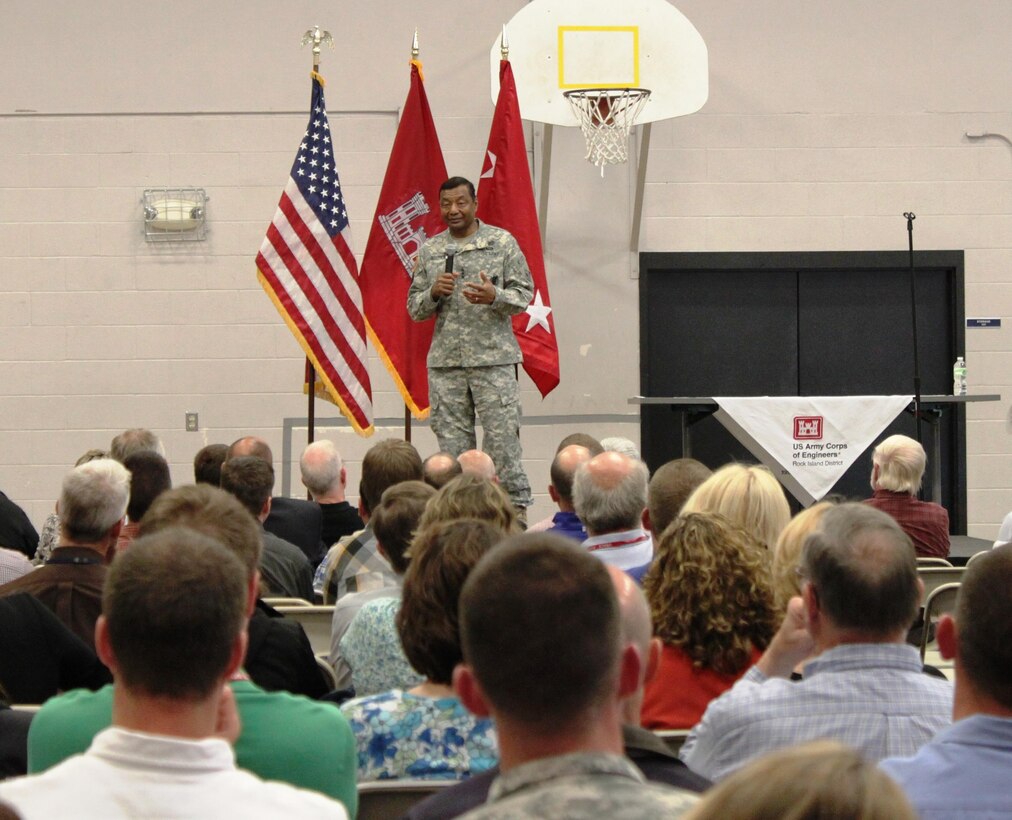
(964, 771)
(865, 687)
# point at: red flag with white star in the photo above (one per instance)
(506, 200)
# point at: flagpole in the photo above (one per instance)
(315, 36)
(407, 409)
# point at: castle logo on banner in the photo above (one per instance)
(406, 238)
(808, 442)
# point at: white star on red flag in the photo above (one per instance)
(538, 312)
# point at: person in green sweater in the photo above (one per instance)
(284, 737)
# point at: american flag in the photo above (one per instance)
(307, 268)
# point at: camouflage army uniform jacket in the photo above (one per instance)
(576, 786)
(469, 335)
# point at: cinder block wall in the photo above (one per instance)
(824, 123)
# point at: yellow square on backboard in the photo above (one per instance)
(599, 57)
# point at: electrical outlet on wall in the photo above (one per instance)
(192, 425)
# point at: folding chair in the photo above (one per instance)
(942, 600)
(383, 799)
(934, 577)
(673, 738)
(924, 561)
(276, 602)
(316, 620)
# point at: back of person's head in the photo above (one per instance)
(174, 606)
(321, 466)
(439, 468)
(563, 469)
(250, 479)
(207, 464)
(863, 569)
(91, 455)
(815, 781)
(93, 498)
(610, 492)
(747, 495)
(671, 484)
(132, 441)
(619, 444)
(711, 592)
(395, 519)
(442, 557)
(387, 463)
(250, 446)
(984, 625)
(787, 552)
(540, 631)
(476, 462)
(900, 461)
(213, 512)
(584, 440)
(468, 496)
(149, 478)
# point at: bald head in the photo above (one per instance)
(323, 471)
(563, 471)
(475, 462)
(610, 493)
(251, 446)
(439, 469)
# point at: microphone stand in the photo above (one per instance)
(910, 217)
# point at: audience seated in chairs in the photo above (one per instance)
(277, 727)
(173, 632)
(711, 600)
(425, 731)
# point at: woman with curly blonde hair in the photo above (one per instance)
(711, 600)
(747, 495)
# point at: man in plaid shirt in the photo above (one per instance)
(354, 564)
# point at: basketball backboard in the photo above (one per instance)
(557, 46)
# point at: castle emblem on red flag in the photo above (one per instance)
(807, 427)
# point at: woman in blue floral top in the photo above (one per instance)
(425, 732)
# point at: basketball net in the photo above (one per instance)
(606, 117)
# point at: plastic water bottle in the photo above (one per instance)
(959, 377)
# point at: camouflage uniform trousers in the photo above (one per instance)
(456, 394)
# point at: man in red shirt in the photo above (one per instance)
(898, 467)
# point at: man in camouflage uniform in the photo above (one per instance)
(544, 655)
(473, 357)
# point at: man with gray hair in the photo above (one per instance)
(92, 504)
(897, 469)
(134, 440)
(865, 686)
(324, 475)
(610, 494)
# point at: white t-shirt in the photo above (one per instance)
(127, 774)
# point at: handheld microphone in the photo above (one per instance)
(451, 251)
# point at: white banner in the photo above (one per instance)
(808, 441)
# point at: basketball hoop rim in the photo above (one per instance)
(609, 91)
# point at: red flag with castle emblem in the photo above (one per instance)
(506, 200)
(406, 215)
